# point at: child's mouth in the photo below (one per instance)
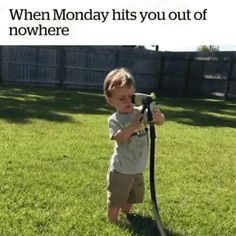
(129, 107)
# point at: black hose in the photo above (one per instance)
(152, 180)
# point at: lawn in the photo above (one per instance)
(55, 151)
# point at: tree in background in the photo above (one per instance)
(208, 48)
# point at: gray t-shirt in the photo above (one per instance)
(129, 157)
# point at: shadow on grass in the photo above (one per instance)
(200, 111)
(20, 105)
(144, 226)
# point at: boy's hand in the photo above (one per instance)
(157, 117)
(136, 124)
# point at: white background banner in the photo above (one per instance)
(112, 22)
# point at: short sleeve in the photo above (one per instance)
(113, 126)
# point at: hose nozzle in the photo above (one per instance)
(141, 98)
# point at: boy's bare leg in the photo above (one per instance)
(112, 214)
(126, 208)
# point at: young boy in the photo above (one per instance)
(127, 127)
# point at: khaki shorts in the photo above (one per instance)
(123, 188)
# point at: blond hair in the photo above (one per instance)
(118, 77)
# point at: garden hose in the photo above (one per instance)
(146, 105)
(152, 180)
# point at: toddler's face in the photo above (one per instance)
(121, 99)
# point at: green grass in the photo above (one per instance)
(55, 151)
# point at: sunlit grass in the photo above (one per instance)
(55, 151)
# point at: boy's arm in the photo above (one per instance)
(123, 135)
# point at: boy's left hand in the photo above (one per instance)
(157, 117)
